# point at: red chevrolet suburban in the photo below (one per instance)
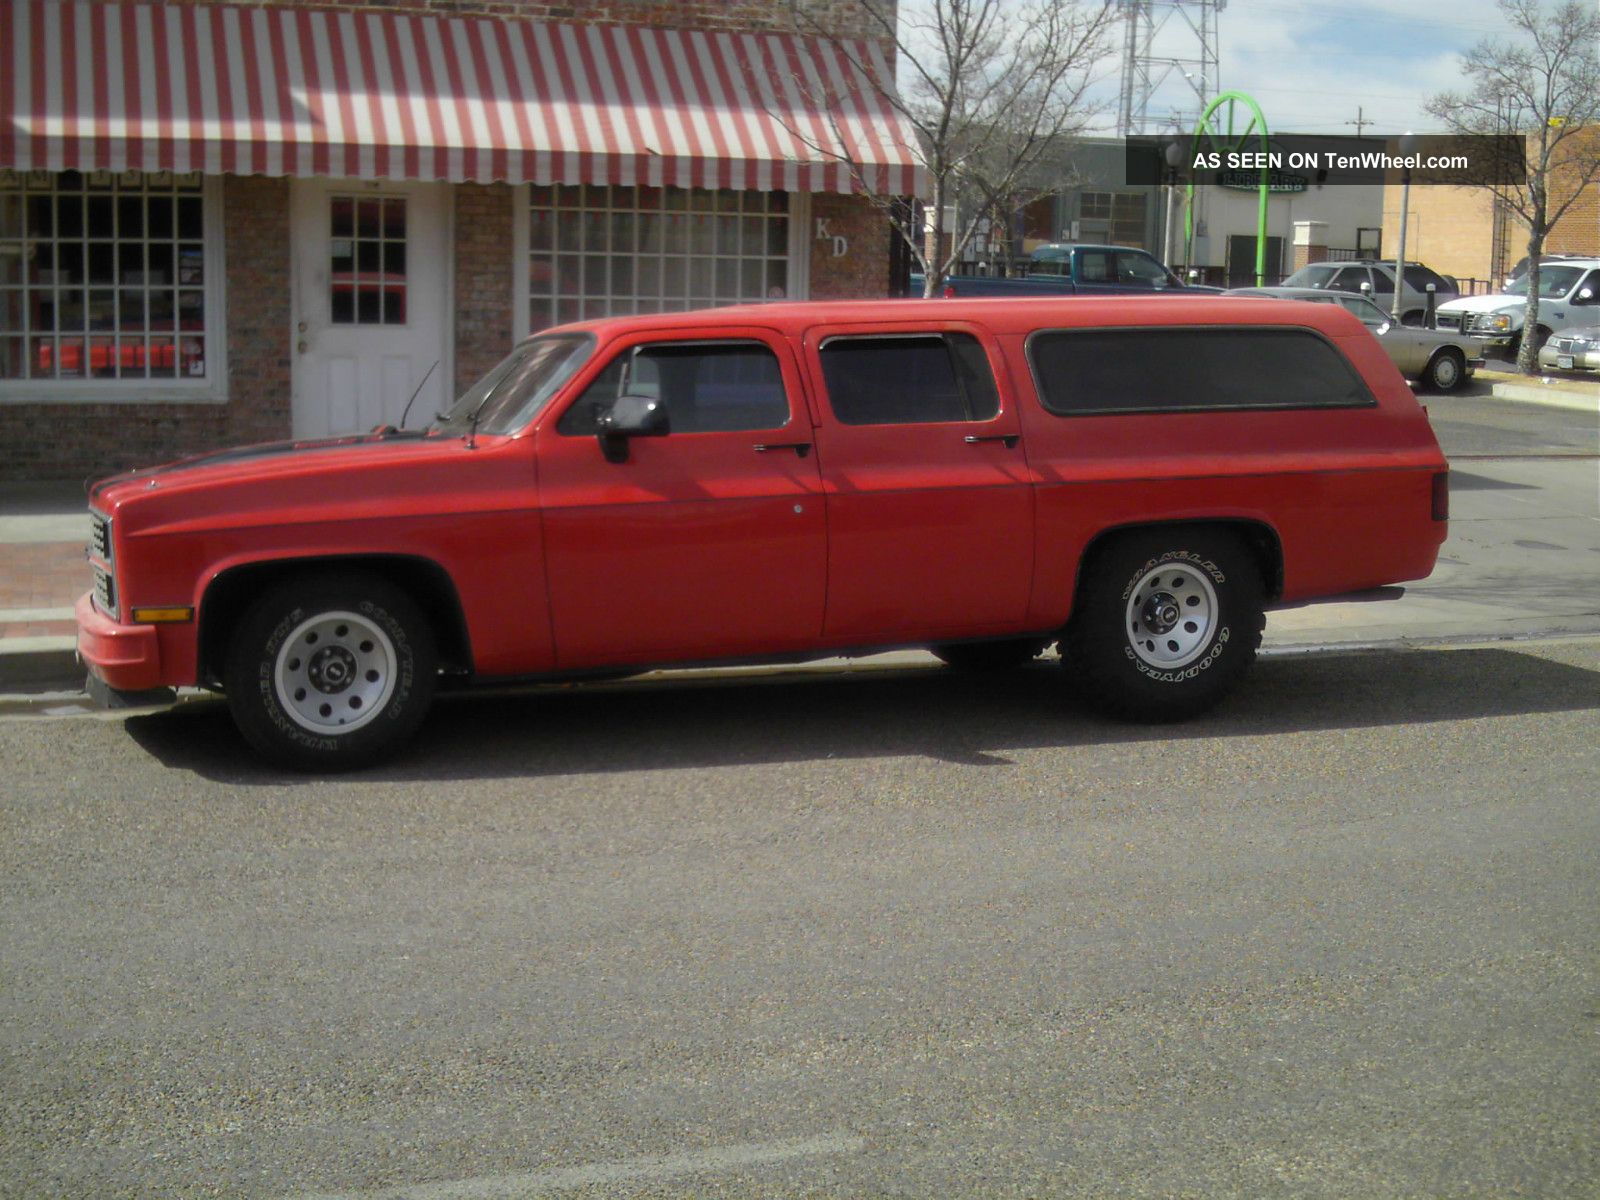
(1138, 479)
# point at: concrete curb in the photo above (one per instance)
(40, 664)
(1575, 395)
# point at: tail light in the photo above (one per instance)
(1441, 495)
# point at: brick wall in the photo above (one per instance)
(74, 441)
(483, 280)
(1451, 229)
(838, 18)
(863, 269)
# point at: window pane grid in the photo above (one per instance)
(102, 276)
(367, 260)
(607, 251)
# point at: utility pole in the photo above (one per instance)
(1361, 121)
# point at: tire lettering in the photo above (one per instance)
(1188, 673)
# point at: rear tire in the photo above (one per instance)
(330, 672)
(1003, 655)
(1166, 623)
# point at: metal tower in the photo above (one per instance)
(1190, 49)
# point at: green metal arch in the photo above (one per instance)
(1230, 139)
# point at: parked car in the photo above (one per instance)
(1370, 277)
(1440, 361)
(1569, 302)
(1521, 269)
(1075, 268)
(1571, 352)
(1136, 479)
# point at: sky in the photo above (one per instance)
(1315, 65)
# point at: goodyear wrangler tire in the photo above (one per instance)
(1166, 622)
(330, 672)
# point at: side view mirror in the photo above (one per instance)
(630, 417)
(1585, 296)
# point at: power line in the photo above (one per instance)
(1346, 19)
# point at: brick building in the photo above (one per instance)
(223, 223)
(1465, 232)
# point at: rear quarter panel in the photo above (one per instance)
(1346, 492)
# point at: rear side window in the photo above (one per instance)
(714, 387)
(1090, 371)
(1420, 277)
(921, 379)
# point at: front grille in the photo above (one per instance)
(105, 592)
(100, 536)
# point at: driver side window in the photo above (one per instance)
(707, 387)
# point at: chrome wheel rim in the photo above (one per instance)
(1171, 615)
(335, 673)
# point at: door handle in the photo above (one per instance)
(1010, 439)
(801, 449)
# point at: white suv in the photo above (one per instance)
(1569, 302)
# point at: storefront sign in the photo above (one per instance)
(841, 244)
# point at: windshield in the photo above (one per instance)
(512, 394)
(1554, 282)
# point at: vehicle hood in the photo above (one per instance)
(327, 480)
(261, 457)
(1479, 304)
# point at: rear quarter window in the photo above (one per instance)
(1084, 372)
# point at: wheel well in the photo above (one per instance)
(231, 593)
(1260, 539)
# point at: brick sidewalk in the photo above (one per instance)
(39, 583)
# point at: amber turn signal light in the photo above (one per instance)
(161, 616)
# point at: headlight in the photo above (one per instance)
(1500, 323)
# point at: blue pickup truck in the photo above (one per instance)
(1073, 268)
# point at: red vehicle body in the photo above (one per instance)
(578, 535)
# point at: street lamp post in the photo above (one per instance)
(1174, 156)
(1408, 143)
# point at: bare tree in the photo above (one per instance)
(994, 90)
(1545, 86)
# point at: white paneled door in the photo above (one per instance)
(370, 304)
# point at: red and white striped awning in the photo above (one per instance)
(389, 95)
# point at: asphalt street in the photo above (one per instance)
(901, 934)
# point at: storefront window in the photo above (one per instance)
(607, 251)
(103, 277)
(1114, 217)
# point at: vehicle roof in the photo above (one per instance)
(1085, 246)
(1292, 293)
(1001, 315)
(1315, 295)
(1365, 262)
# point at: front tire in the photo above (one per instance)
(1166, 623)
(330, 672)
(1446, 371)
